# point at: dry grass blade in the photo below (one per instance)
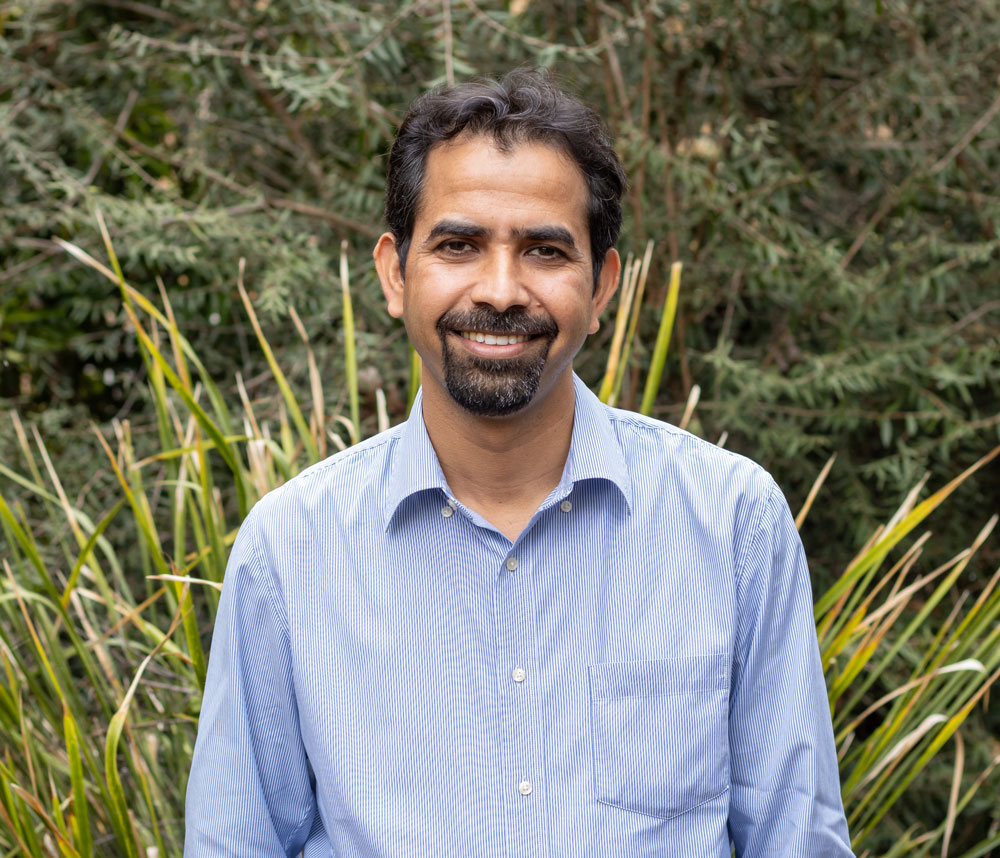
(82, 256)
(689, 406)
(67, 509)
(906, 507)
(350, 347)
(814, 491)
(970, 664)
(626, 295)
(903, 745)
(956, 781)
(642, 273)
(381, 410)
(186, 579)
(174, 333)
(317, 421)
(903, 595)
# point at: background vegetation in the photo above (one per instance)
(827, 171)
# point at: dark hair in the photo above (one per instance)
(525, 106)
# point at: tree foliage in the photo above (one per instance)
(826, 170)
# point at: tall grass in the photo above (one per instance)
(101, 640)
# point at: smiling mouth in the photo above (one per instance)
(493, 339)
(503, 332)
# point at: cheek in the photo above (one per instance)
(441, 285)
(420, 317)
(572, 306)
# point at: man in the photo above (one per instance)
(520, 623)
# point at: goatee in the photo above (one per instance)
(495, 387)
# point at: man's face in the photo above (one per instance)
(499, 294)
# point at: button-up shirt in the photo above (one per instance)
(636, 675)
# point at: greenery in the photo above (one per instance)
(826, 170)
(97, 656)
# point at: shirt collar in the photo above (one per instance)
(415, 466)
(594, 453)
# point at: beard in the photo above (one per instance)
(495, 387)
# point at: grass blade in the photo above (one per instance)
(350, 353)
(662, 341)
(286, 391)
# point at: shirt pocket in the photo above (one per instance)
(660, 732)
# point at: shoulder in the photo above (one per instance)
(344, 479)
(656, 446)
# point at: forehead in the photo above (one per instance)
(529, 182)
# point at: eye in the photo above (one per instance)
(455, 246)
(546, 251)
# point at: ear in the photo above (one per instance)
(389, 273)
(607, 285)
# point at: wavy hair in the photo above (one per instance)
(525, 106)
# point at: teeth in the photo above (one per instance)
(494, 339)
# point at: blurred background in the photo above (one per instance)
(828, 172)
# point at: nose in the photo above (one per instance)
(500, 282)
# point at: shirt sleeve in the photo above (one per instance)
(785, 784)
(250, 792)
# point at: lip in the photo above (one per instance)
(487, 350)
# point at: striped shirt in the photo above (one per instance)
(636, 675)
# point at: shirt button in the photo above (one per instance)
(565, 506)
(447, 511)
(512, 563)
(518, 674)
(524, 787)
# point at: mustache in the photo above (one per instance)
(516, 321)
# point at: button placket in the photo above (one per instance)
(523, 772)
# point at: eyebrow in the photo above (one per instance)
(455, 227)
(546, 233)
(557, 234)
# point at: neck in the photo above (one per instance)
(503, 468)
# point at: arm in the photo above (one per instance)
(250, 792)
(785, 784)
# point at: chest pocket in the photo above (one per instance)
(660, 732)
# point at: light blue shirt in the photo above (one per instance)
(636, 675)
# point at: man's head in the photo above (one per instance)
(504, 202)
(523, 107)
